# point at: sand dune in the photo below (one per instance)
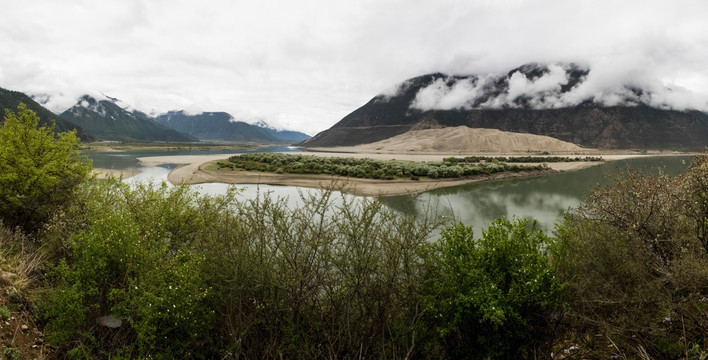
(465, 140)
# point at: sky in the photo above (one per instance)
(306, 64)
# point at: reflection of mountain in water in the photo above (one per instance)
(543, 198)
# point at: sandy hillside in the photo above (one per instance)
(462, 139)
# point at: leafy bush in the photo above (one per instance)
(39, 170)
(363, 168)
(493, 297)
(4, 313)
(338, 277)
(135, 260)
(198, 277)
(521, 159)
(636, 262)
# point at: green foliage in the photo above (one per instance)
(635, 258)
(492, 297)
(4, 313)
(12, 353)
(196, 277)
(135, 260)
(10, 100)
(39, 170)
(334, 278)
(521, 159)
(364, 168)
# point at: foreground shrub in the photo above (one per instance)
(201, 277)
(39, 170)
(493, 297)
(635, 258)
(337, 277)
(135, 261)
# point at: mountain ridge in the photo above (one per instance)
(222, 126)
(107, 120)
(553, 100)
(9, 100)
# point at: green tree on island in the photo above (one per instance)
(39, 169)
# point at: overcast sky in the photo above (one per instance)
(305, 64)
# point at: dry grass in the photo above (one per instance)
(20, 265)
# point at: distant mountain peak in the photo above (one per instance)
(222, 126)
(93, 102)
(265, 125)
(111, 119)
(11, 99)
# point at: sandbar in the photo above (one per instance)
(193, 170)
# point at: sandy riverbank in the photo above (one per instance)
(193, 170)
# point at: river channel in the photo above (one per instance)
(543, 198)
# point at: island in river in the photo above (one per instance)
(197, 169)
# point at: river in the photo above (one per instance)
(543, 198)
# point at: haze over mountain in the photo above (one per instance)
(564, 101)
(291, 136)
(221, 126)
(110, 119)
(9, 100)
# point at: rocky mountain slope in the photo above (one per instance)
(221, 126)
(9, 100)
(109, 119)
(551, 100)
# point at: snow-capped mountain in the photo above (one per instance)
(111, 119)
(222, 126)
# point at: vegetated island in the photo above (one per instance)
(368, 176)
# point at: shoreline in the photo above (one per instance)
(107, 173)
(192, 170)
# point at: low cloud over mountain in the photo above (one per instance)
(571, 102)
(536, 86)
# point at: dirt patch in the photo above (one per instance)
(465, 140)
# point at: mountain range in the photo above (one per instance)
(552, 100)
(221, 126)
(9, 100)
(107, 120)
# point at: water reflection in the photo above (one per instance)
(543, 198)
(129, 159)
(153, 174)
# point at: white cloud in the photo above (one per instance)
(394, 90)
(605, 86)
(450, 93)
(307, 64)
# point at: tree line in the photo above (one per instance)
(365, 168)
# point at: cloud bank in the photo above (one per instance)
(539, 87)
(306, 64)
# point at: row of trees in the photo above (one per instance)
(187, 276)
(364, 168)
(520, 159)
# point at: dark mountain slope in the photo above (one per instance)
(545, 108)
(107, 120)
(11, 99)
(221, 126)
